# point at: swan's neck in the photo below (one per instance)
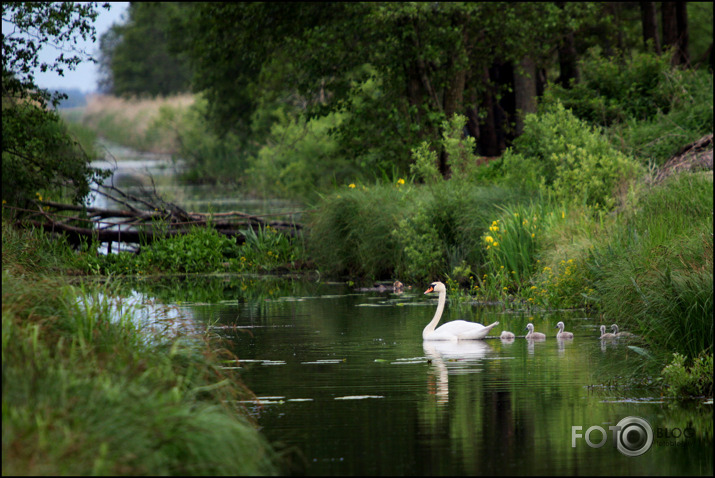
(437, 315)
(615, 329)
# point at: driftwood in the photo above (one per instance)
(695, 156)
(133, 224)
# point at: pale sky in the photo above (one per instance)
(86, 75)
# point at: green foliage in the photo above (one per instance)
(661, 136)
(299, 158)
(567, 286)
(424, 167)
(203, 250)
(135, 57)
(655, 270)
(405, 231)
(612, 90)
(649, 106)
(91, 391)
(564, 156)
(696, 380)
(459, 149)
(351, 230)
(39, 156)
(397, 69)
(207, 156)
(35, 24)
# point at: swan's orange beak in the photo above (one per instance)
(431, 289)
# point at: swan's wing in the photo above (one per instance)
(452, 330)
(461, 330)
(478, 332)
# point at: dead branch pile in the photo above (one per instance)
(142, 220)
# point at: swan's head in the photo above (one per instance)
(530, 327)
(560, 325)
(614, 328)
(603, 329)
(436, 287)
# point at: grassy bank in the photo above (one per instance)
(87, 390)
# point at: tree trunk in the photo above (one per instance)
(524, 91)
(488, 143)
(650, 25)
(675, 30)
(567, 57)
(681, 10)
(567, 61)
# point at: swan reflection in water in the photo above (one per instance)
(446, 355)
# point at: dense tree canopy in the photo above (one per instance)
(396, 70)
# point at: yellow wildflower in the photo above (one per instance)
(351, 185)
(495, 245)
(489, 239)
(400, 181)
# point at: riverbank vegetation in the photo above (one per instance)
(428, 142)
(90, 389)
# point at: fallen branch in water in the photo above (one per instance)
(134, 225)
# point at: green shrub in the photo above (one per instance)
(414, 232)
(696, 380)
(207, 156)
(299, 158)
(662, 135)
(565, 157)
(612, 90)
(351, 230)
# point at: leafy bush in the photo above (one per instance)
(562, 155)
(660, 136)
(689, 381)
(413, 232)
(615, 89)
(299, 158)
(207, 156)
(40, 156)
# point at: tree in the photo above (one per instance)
(398, 69)
(38, 155)
(675, 30)
(649, 19)
(135, 58)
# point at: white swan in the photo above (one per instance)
(561, 334)
(456, 329)
(605, 336)
(534, 335)
(618, 334)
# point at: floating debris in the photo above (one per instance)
(358, 397)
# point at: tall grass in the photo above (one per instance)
(132, 121)
(88, 390)
(405, 231)
(655, 272)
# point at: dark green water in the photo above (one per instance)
(346, 386)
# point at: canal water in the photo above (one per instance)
(345, 385)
